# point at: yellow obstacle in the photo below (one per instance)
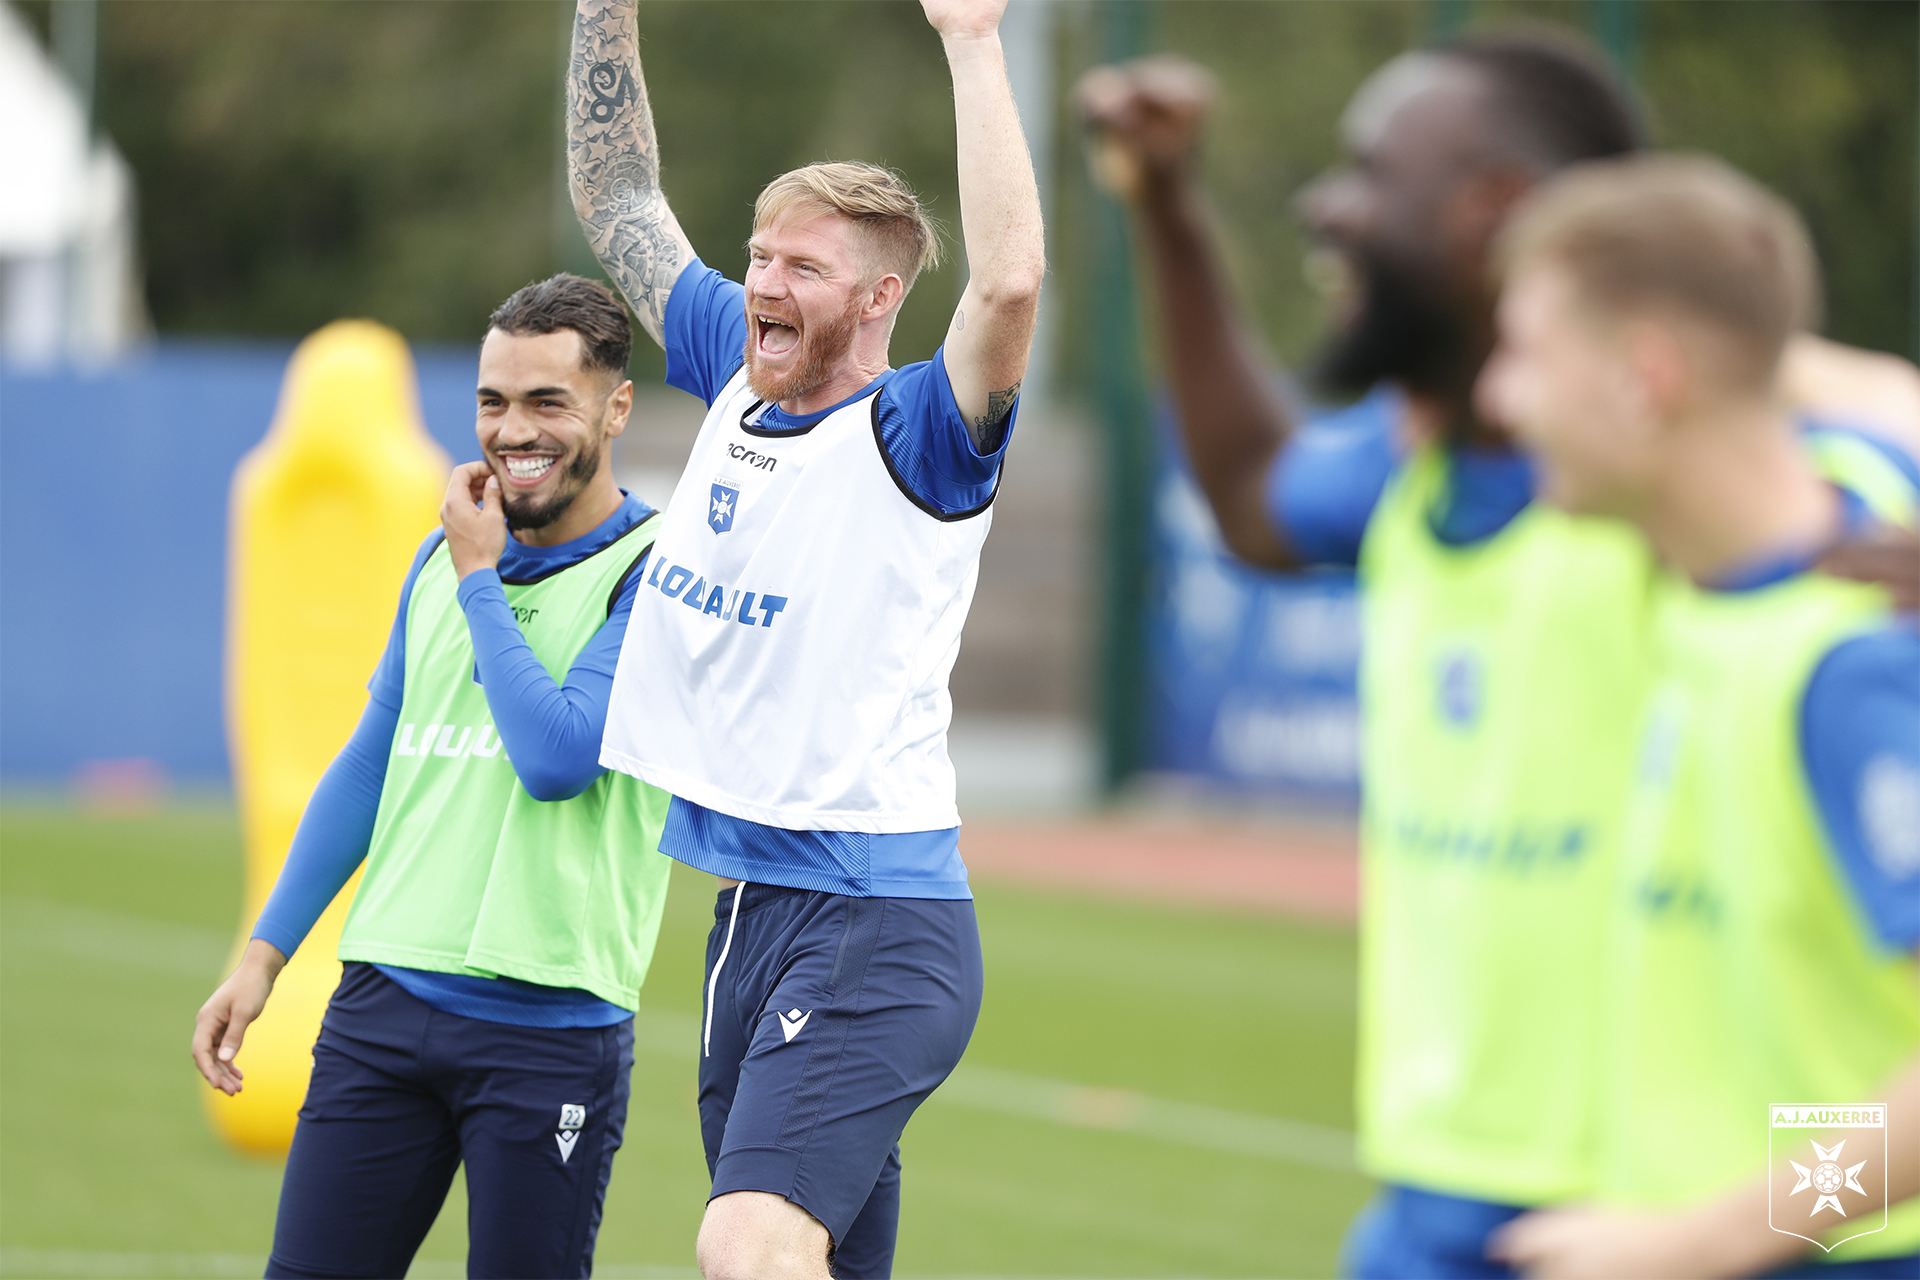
(326, 514)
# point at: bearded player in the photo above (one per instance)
(497, 942)
(785, 673)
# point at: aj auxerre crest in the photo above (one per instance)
(1827, 1194)
(720, 506)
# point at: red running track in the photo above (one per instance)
(1265, 868)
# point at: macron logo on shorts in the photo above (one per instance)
(572, 1116)
(791, 1022)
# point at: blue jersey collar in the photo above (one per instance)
(1778, 566)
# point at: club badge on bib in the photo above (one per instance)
(721, 505)
(1827, 1194)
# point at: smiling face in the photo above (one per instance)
(546, 427)
(808, 292)
(1569, 385)
(1409, 217)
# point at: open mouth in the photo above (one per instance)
(774, 337)
(528, 469)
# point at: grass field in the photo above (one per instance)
(1151, 1091)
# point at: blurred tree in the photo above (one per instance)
(303, 161)
(1820, 100)
(1817, 98)
(300, 162)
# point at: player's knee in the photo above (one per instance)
(753, 1235)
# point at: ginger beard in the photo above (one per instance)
(818, 349)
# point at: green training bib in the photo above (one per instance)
(469, 874)
(1498, 682)
(1742, 971)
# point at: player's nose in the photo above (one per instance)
(1332, 205)
(516, 432)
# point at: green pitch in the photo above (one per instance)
(1151, 1091)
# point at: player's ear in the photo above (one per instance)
(885, 294)
(1658, 358)
(619, 406)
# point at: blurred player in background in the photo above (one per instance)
(1505, 641)
(785, 674)
(1768, 911)
(496, 945)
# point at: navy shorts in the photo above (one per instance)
(828, 1020)
(403, 1093)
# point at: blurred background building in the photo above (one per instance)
(70, 286)
(244, 173)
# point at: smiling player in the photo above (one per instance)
(785, 671)
(497, 942)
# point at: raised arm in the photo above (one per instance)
(1148, 117)
(613, 163)
(992, 331)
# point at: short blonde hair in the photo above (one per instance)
(1686, 233)
(899, 236)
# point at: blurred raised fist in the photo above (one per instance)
(1146, 118)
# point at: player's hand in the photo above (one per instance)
(223, 1020)
(1146, 118)
(1594, 1244)
(964, 17)
(1886, 555)
(475, 521)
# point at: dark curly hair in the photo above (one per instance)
(573, 302)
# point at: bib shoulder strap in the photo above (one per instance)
(649, 529)
(900, 482)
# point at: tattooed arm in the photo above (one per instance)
(613, 161)
(992, 331)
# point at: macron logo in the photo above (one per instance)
(791, 1022)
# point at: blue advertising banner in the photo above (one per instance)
(1252, 673)
(113, 537)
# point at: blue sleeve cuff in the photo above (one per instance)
(476, 582)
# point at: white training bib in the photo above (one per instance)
(788, 653)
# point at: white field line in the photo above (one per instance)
(119, 939)
(1080, 1106)
(114, 938)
